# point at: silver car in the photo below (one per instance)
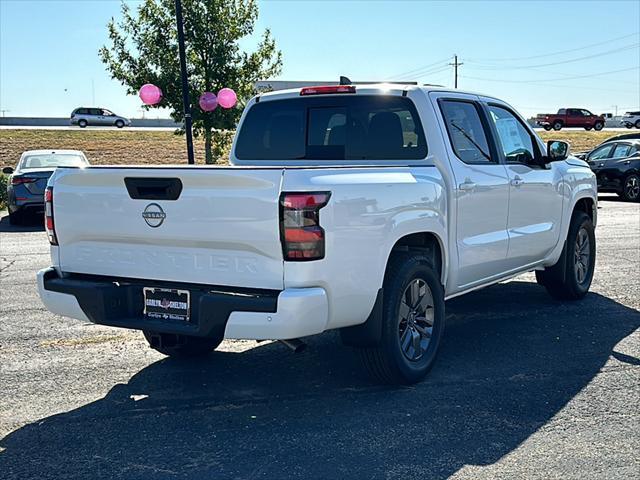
(631, 119)
(25, 189)
(84, 116)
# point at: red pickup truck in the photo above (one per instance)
(570, 117)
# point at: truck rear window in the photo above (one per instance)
(338, 127)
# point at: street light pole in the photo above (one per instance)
(185, 83)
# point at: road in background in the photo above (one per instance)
(73, 127)
(524, 387)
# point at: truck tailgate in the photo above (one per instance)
(222, 229)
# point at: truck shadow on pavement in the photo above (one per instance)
(511, 359)
(32, 223)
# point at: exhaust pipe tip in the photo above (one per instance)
(295, 344)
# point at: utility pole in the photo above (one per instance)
(185, 83)
(455, 66)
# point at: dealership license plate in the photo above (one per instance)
(166, 304)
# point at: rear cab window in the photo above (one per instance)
(332, 127)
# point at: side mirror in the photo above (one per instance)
(557, 150)
(7, 170)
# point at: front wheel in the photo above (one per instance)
(631, 188)
(413, 322)
(587, 128)
(82, 123)
(547, 127)
(570, 278)
(557, 125)
(598, 126)
(181, 346)
(638, 124)
(119, 123)
(629, 125)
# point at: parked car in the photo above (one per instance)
(350, 207)
(84, 116)
(630, 120)
(570, 117)
(617, 167)
(26, 186)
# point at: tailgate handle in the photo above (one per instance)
(141, 188)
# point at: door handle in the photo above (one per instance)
(468, 185)
(516, 182)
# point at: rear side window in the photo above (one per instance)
(337, 127)
(466, 132)
(622, 150)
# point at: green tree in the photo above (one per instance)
(144, 49)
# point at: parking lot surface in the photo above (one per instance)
(525, 387)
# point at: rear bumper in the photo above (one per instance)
(239, 313)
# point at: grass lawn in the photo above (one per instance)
(106, 147)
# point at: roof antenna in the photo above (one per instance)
(344, 80)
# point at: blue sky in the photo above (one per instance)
(537, 55)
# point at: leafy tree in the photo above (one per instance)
(144, 49)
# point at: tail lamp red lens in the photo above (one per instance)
(302, 237)
(328, 89)
(20, 180)
(49, 224)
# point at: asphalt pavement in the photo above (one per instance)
(524, 387)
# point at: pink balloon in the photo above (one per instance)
(208, 101)
(150, 94)
(227, 98)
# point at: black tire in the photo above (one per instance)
(547, 127)
(181, 346)
(631, 188)
(82, 123)
(557, 125)
(637, 124)
(119, 123)
(562, 279)
(388, 362)
(587, 128)
(16, 218)
(630, 125)
(598, 126)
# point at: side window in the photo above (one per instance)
(95, 111)
(586, 113)
(600, 153)
(466, 132)
(621, 150)
(515, 140)
(575, 113)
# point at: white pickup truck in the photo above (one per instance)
(351, 207)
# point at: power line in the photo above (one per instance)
(554, 79)
(578, 59)
(418, 69)
(558, 52)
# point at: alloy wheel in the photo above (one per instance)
(582, 255)
(632, 188)
(416, 317)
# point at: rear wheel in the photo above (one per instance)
(557, 125)
(587, 128)
(570, 278)
(629, 125)
(413, 322)
(638, 124)
(598, 126)
(631, 188)
(181, 346)
(82, 123)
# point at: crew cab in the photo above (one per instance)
(570, 117)
(360, 208)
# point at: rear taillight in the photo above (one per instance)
(19, 180)
(300, 231)
(49, 225)
(326, 90)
